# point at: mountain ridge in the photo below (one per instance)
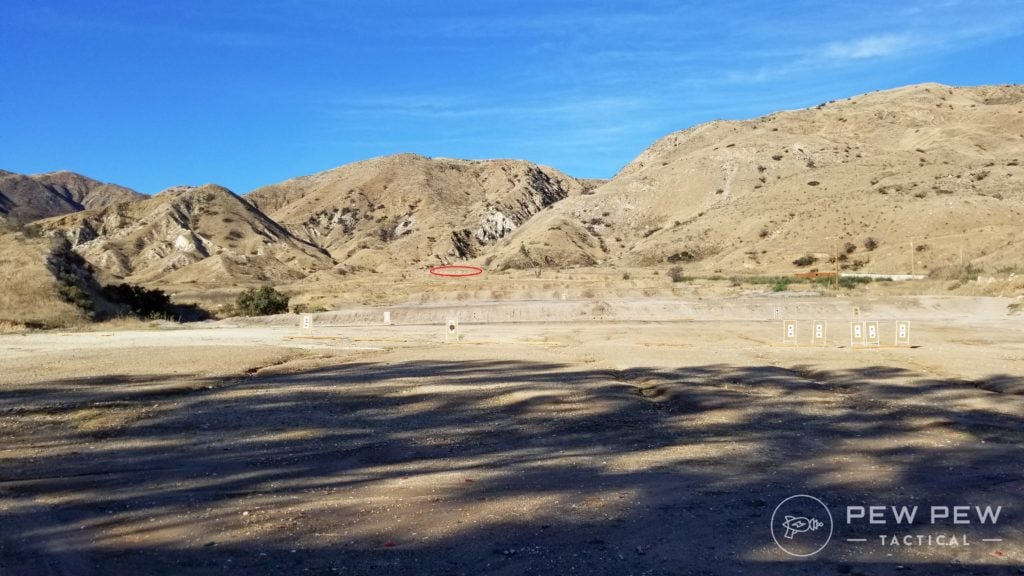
(28, 197)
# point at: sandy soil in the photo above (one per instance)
(643, 438)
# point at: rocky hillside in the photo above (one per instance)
(205, 235)
(925, 172)
(24, 198)
(408, 210)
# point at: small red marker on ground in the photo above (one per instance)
(390, 544)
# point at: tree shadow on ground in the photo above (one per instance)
(499, 467)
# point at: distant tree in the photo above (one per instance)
(142, 302)
(261, 301)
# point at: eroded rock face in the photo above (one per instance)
(463, 245)
(411, 209)
(182, 226)
(495, 227)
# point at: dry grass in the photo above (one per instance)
(101, 421)
(8, 327)
(28, 292)
(126, 323)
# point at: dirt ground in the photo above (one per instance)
(549, 437)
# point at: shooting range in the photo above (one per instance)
(451, 333)
(871, 335)
(902, 333)
(856, 334)
(819, 334)
(789, 332)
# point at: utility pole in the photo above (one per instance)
(835, 250)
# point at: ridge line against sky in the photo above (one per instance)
(150, 96)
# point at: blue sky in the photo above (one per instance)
(155, 94)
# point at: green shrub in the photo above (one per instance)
(72, 294)
(140, 301)
(780, 285)
(261, 301)
(849, 282)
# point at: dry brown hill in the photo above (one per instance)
(38, 280)
(929, 164)
(204, 235)
(408, 210)
(24, 198)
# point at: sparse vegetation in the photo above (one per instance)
(261, 301)
(960, 272)
(683, 256)
(676, 274)
(870, 244)
(73, 294)
(805, 260)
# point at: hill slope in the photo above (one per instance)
(929, 164)
(24, 198)
(204, 235)
(33, 274)
(410, 210)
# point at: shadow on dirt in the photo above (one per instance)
(508, 467)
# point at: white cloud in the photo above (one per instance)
(870, 47)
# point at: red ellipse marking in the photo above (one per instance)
(456, 271)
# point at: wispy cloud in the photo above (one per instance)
(870, 47)
(446, 107)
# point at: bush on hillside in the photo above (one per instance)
(805, 260)
(140, 301)
(261, 301)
